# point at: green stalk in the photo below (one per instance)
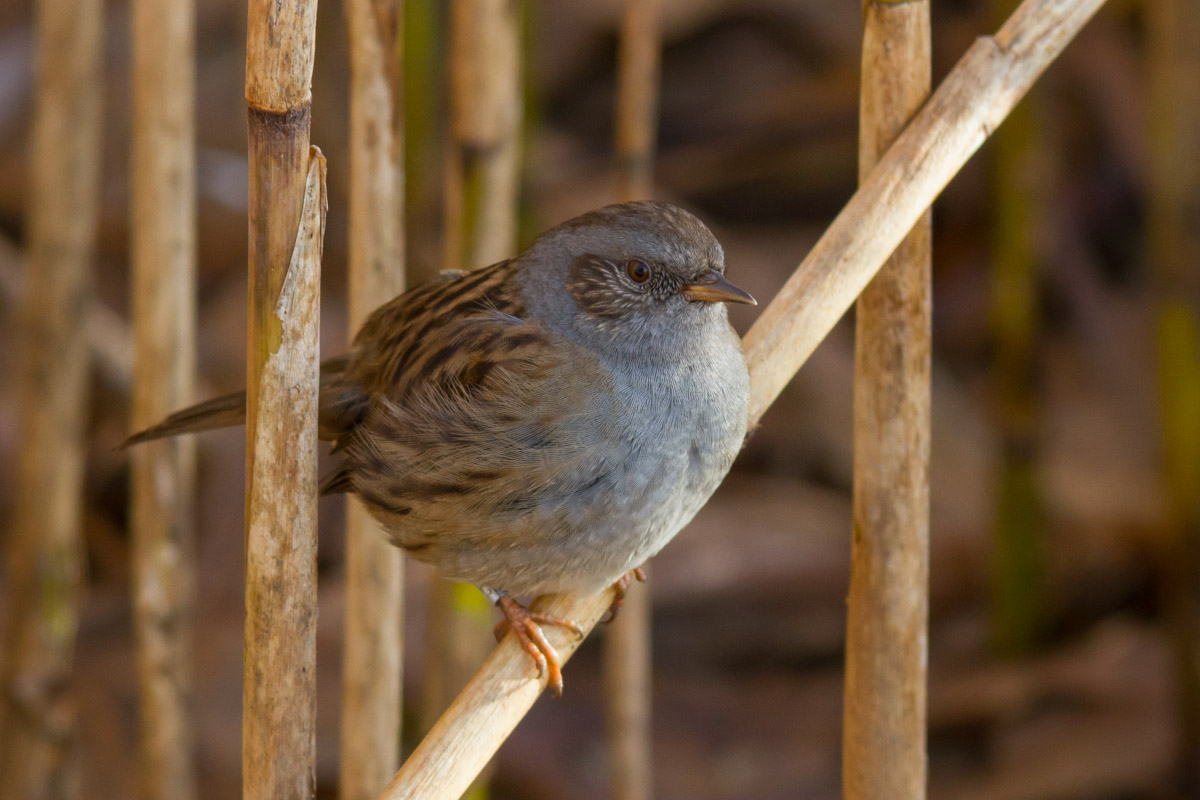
(1017, 571)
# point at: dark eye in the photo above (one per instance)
(638, 271)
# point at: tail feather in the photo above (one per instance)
(220, 412)
(341, 407)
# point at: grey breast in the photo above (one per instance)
(682, 427)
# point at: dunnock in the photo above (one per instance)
(544, 424)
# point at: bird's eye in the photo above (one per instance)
(638, 271)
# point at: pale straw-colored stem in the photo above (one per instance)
(975, 97)
(45, 551)
(883, 752)
(638, 65)
(287, 205)
(371, 663)
(487, 109)
(628, 670)
(279, 690)
(163, 239)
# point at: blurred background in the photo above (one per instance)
(1063, 580)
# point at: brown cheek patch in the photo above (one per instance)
(593, 282)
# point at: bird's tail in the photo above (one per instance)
(220, 412)
(341, 406)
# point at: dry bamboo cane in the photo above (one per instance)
(425, 93)
(371, 665)
(486, 92)
(481, 165)
(481, 195)
(883, 751)
(37, 721)
(279, 691)
(973, 99)
(627, 655)
(287, 200)
(163, 239)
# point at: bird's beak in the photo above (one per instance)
(713, 287)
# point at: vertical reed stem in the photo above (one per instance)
(1174, 247)
(371, 666)
(486, 98)
(1019, 180)
(163, 239)
(637, 99)
(287, 202)
(37, 720)
(627, 655)
(425, 96)
(481, 182)
(888, 607)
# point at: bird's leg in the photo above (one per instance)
(620, 589)
(526, 625)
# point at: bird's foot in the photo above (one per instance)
(526, 625)
(620, 589)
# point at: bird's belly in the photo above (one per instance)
(580, 545)
(647, 480)
(584, 543)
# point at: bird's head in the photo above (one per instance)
(625, 272)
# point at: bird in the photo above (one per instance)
(544, 424)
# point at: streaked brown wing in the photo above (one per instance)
(415, 323)
(495, 419)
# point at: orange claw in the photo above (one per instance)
(526, 625)
(620, 589)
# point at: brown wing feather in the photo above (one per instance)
(461, 457)
(486, 417)
(402, 329)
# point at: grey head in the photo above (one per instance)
(624, 275)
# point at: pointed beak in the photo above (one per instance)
(713, 287)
